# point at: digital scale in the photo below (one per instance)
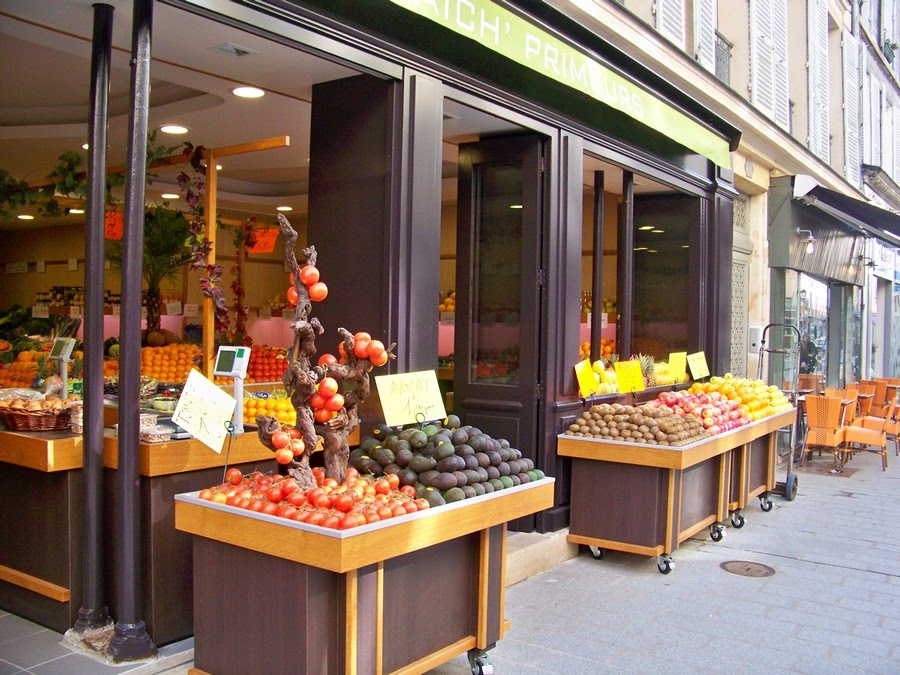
(232, 362)
(62, 352)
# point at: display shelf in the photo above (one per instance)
(340, 591)
(42, 450)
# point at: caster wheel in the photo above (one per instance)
(480, 663)
(597, 552)
(716, 533)
(790, 487)
(765, 505)
(665, 566)
(738, 520)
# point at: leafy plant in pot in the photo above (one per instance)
(166, 250)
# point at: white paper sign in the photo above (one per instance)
(203, 409)
(75, 311)
(73, 264)
(173, 307)
(447, 318)
(190, 310)
(604, 319)
(265, 312)
(17, 268)
(40, 266)
(117, 310)
(40, 312)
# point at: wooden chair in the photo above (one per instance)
(869, 437)
(880, 404)
(890, 424)
(853, 386)
(865, 402)
(824, 423)
(851, 406)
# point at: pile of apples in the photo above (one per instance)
(717, 413)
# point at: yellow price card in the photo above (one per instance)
(678, 365)
(697, 364)
(587, 382)
(629, 376)
(410, 397)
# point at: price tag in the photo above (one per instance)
(40, 266)
(73, 264)
(265, 312)
(629, 376)
(203, 409)
(410, 397)
(117, 310)
(75, 311)
(17, 268)
(40, 312)
(678, 365)
(173, 307)
(448, 318)
(604, 319)
(587, 383)
(265, 240)
(113, 225)
(697, 364)
(190, 310)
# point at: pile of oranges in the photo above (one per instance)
(110, 367)
(22, 371)
(171, 363)
(279, 408)
(607, 349)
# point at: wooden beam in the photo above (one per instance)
(34, 584)
(252, 146)
(208, 315)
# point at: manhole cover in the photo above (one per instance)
(747, 569)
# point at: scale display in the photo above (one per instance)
(62, 348)
(232, 362)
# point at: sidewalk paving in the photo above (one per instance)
(833, 605)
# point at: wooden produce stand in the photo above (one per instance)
(40, 526)
(404, 595)
(647, 499)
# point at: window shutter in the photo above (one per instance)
(781, 98)
(888, 19)
(896, 174)
(888, 131)
(817, 45)
(670, 20)
(761, 56)
(851, 109)
(705, 22)
(876, 121)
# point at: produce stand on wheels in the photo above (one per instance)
(403, 595)
(647, 499)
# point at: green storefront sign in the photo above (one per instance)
(515, 38)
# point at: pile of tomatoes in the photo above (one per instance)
(287, 444)
(317, 290)
(364, 347)
(266, 364)
(359, 500)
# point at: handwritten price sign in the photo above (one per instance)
(265, 240)
(697, 364)
(629, 376)
(113, 225)
(410, 397)
(203, 410)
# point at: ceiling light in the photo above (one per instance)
(85, 146)
(173, 129)
(169, 195)
(645, 227)
(284, 208)
(248, 92)
(76, 211)
(685, 246)
(652, 250)
(218, 167)
(515, 206)
(640, 248)
(24, 216)
(657, 231)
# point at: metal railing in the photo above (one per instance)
(723, 59)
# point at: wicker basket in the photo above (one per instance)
(42, 420)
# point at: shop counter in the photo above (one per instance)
(647, 499)
(402, 595)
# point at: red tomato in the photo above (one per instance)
(269, 509)
(280, 439)
(243, 503)
(422, 504)
(334, 403)
(219, 498)
(327, 359)
(372, 517)
(381, 360)
(384, 512)
(361, 349)
(322, 415)
(257, 504)
(376, 349)
(318, 292)
(294, 432)
(275, 494)
(309, 275)
(206, 494)
(322, 501)
(410, 507)
(330, 483)
(288, 485)
(351, 474)
(293, 297)
(393, 479)
(297, 446)
(344, 503)
(297, 498)
(316, 518)
(331, 522)
(328, 387)
(382, 486)
(398, 511)
(232, 500)
(352, 520)
(362, 335)
(286, 511)
(302, 515)
(409, 491)
(234, 476)
(284, 456)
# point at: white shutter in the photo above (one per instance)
(887, 136)
(781, 97)
(875, 122)
(889, 19)
(705, 22)
(817, 45)
(761, 55)
(670, 20)
(896, 174)
(851, 109)
(867, 113)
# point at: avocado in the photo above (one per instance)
(407, 433)
(503, 442)
(487, 487)
(524, 478)
(452, 422)
(494, 457)
(437, 439)
(478, 488)
(426, 476)
(506, 481)
(369, 465)
(392, 443)
(430, 430)
(518, 453)
(459, 437)
(369, 442)
(442, 451)
(401, 445)
(464, 450)
(515, 480)
(382, 431)
(532, 474)
(451, 463)
(407, 477)
(444, 481)
(393, 468)
(474, 431)
(472, 476)
(461, 478)
(529, 464)
(492, 471)
(418, 439)
(418, 463)
(496, 483)
(483, 459)
(514, 466)
(357, 453)
(403, 456)
(478, 443)
(420, 490)
(539, 474)
(454, 495)
(503, 468)
(433, 497)
(471, 462)
(469, 491)
(382, 455)
(483, 472)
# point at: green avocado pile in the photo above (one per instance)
(445, 463)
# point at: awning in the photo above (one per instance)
(867, 218)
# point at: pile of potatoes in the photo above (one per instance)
(638, 424)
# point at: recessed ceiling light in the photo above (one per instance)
(284, 208)
(25, 216)
(248, 92)
(85, 146)
(685, 246)
(76, 211)
(173, 129)
(645, 227)
(640, 248)
(218, 167)
(657, 231)
(652, 250)
(169, 195)
(515, 206)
